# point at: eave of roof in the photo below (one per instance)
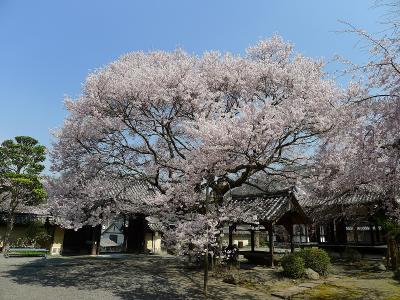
(267, 207)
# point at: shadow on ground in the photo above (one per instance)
(130, 277)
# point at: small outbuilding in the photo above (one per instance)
(270, 210)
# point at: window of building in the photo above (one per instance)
(114, 238)
(322, 234)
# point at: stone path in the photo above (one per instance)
(288, 293)
(128, 277)
(294, 290)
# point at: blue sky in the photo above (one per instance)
(48, 47)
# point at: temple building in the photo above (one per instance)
(275, 216)
(350, 221)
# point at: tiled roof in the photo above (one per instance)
(347, 199)
(264, 207)
(41, 209)
(24, 218)
(132, 192)
(357, 198)
(25, 214)
(154, 224)
(345, 205)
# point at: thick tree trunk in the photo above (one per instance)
(9, 228)
(257, 239)
(206, 271)
(206, 254)
(231, 236)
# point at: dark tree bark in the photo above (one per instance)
(10, 224)
(206, 254)
(9, 228)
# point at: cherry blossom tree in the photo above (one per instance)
(184, 123)
(362, 153)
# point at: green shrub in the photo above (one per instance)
(36, 235)
(293, 265)
(21, 242)
(316, 259)
(351, 255)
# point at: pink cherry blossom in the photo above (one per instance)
(181, 122)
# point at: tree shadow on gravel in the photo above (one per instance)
(131, 277)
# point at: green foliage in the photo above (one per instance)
(21, 242)
(38, 235)
(351, 255)
(392, 227)
(27, 252)
(26, 188)
(21, 162)
(316, 259)
(293, 265)
(22, 156)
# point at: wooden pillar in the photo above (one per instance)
(93, 251)
(331, 232)
(306, 233)
(378, 237)
(318, 232)
(300, 233)
(341, 232)
(153, 248)
(252, 240)
(371, 231)
(125, 232)
(355, 234)
(96, 235)
(231, 235)
(98, 238)
(271, 242)
(291, 238)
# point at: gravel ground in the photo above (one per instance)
(118, 277)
